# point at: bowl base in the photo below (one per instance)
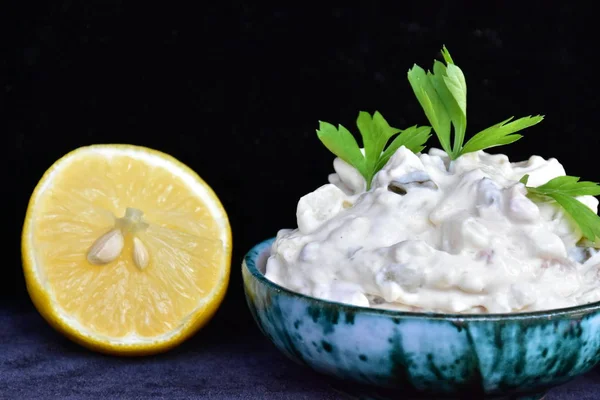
(356, 392)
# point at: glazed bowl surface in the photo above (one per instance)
(383, 354)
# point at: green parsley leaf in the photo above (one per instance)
(587, 220)
(341, 143)
(447, 56)
(453, 96)
(376, 133)
(432, 105)
(500, 134)
(563, 190)
(443, 96)
(446, 91)
(457, 85)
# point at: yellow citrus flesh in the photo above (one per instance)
(119, 307)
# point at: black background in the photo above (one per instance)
(236, 92)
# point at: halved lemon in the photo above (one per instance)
(125, 250)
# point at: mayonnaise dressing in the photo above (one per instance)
(438, 235)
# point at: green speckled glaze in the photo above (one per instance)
(380, 354)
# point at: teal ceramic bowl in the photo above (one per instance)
(380, 354)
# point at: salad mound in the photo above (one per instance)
(438, 235)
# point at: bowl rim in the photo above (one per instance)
(251, 259)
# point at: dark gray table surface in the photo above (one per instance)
(38, 363)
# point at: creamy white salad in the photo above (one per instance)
(436, 235)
